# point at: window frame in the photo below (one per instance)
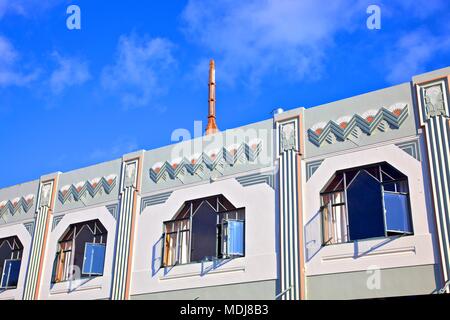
(408, 197)
(92, 274)
(219, 237)
(346, 184)
(71, 233)
(164, 237)
(9, 274)
(16, 254)
(190, 231)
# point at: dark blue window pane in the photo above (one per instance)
(235, 238)
(204, 231)
(94, 258)
(10, 276)
(397, 213)
(365, 207)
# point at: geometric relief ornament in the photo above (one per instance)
(433, 99)
(412, 148)
(311, 168)
(200, 164)
(130, 174)
(113, 209)
(357, 125)
(94, 187)
(30, 227)
(257, 178)
(155, 199)
(288, 135)
(56, 221)
(19, 204)
(45, 194)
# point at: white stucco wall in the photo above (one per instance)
(24, 236)
(86, 289)
(383, 253)
(258, 264)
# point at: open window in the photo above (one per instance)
(11, 250)
(366, 202)
(203, 230)
(231, 234)
(81, 252)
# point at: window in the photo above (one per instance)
(203, 230)
(366, 202)
(81, 252)
(231, 234)
(11, 250)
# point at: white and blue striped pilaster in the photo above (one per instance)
(37, 255)
(433, 101)
(290, 210)
(125, 230)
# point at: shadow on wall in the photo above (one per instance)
(206, 265)
(357, 254)
(313, 236)
(313, 239)
(73, 284)
(157, 256)
(213, 265)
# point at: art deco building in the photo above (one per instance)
(346, 200)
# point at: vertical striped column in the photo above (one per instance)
(39, 243)
(131, 171)
(291, 262)
(433, 103)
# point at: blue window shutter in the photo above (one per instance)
(397, 212)
(11, 270)
(94, 258)
(235, 243)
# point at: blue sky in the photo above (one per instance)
(137, 70)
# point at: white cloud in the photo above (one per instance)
(70, 72)
(412, 52)
(141, 66)
(9, 73)
(254, 38)
(26, 7)
(8, 6)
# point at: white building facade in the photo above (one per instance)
(346, 200)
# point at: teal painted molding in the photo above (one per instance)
(154, 200)
(412, 148)
(311, 167)
(256, 178)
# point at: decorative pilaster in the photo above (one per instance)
(130, 186)
(46, 202)
(292, 279)
(433, 103)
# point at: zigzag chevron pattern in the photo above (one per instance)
(17, 204)
(214, 160)
(92, 187)
(367, 123)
